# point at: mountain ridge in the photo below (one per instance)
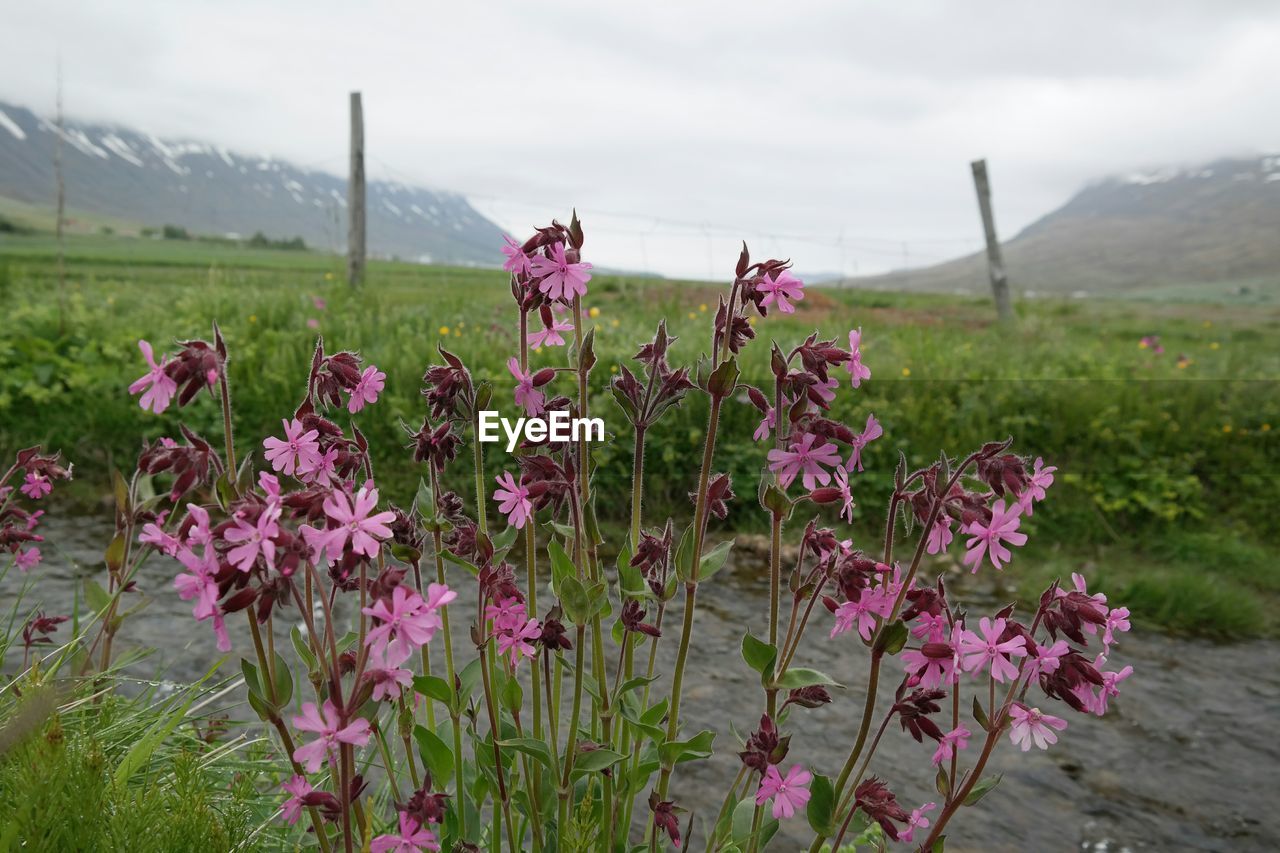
(123, 172)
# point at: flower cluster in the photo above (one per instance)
(18, 524)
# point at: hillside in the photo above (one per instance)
(1216, 225)
(133, 176)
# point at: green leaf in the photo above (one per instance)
(434, 687)
(596, 759)
(561, 565)
(799, 676)
(468, 678)
(942, 781)
(96, 597)
(892, 638)
(822, 806)
(405, 553)
(251, 678)
(424, 501)
(532, 747)
(684, 555)
(983, 788)
(304, 651)
(573, 597)
(512, 695)
(140, 753)
(676, 752)
(456, 560)
(283, 683)
(980, 715)
(759, 655)
(435, 753)
(714, 560)
(114, 556)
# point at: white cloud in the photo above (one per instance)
(847, 125)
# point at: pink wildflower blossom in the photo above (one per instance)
(36, 485)
(154, 535)
(1041, 478)
(550, 336)
(1047, 659)
(26, 560)
(412, 838)
(1029, 724)
(560, 279)
(199, 533)
(506, 615)
(1098, 703)
(917, 820)
(517, 261)
(940, 535)
(384, 670)
(327, 724)
(533, 400)
(804, 458)
(513, 500)
(407, 622)
(355, 524)
(988, 539)
(952, 742)
(857, 370)
(1117, 620)
(780, 288)
(298, 787)
(157, 387)
(516, 640)
(846, 495)
(789, 793)
(986, 649)
(298, 452)
(767, 424)
(367, 389)
(199, 584)
(934, 664)
(863, 612)
(255, 539)
(869, 433)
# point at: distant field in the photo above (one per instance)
(1163, 467)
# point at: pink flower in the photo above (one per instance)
(325, 472)
(870, 433)
(517, 261)
(1031, 725)
(989, 538)
(513, 500)
(255, 539)
(1117, 620)
(26, 560)
(331, 733)
(270, 484)
(934, 664)
(299, 451)
(354, 523)
(199, 584)
(516, 640)
(506, 615)
(917, 820)
(779, 289)
(298, 787)
(153, 534)
(550, 336)
(930, 628)
(560, 279)
(531, 398)
(413, 838)
(952, 742)
(36, 485)
(870, 604)
(846, 495)
(1047, 659)
(857, 370)
(804, 457)
(319, 303)
(220, 631)
(767, 423)
(159, 388)
(407, 622)
(384, 670)
(1041, 479)
(1097, 704)
(789, 793)
(367, 389)
(978, 651)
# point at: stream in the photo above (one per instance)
(1186, 759)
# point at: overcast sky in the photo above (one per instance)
(836, 133)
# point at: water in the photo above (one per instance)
(1186, 760)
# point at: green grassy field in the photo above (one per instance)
(1167, 464)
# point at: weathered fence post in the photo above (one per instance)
(995, 263)
(355, 197)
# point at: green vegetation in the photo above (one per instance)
(1166, 472)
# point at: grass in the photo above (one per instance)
(1166, 463)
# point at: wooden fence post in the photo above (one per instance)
(995, 263)
(355, 197)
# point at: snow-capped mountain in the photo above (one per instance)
(126, 173)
